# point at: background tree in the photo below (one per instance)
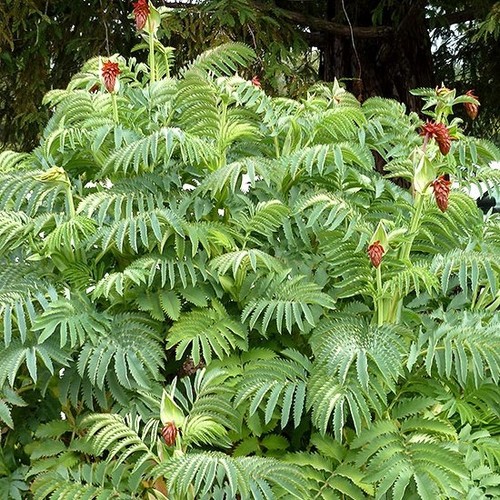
(379, 47)
(42, 43)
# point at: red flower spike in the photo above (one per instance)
(471, 108)
(376, 252)
(169, 433)
(443, 139)
(442, 188)
(256, 81)
(439, 132)
(109, 72)
(141, 12)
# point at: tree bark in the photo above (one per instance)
(390, 64)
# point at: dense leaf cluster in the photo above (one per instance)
(193, 241)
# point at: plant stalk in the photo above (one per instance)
(394, 309)
(152, 69)
(69, 198)
(414, 225)
(115, 107)
(380, 300)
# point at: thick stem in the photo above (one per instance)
(394, 307)
(414, 225)
(167, 66)
(115, 107)
(152, 69)
(380, 300)
(70, 201)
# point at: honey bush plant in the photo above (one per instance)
(208, 293)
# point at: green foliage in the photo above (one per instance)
(417, 451)
(211, 475)
(188, 309)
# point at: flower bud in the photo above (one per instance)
(442, 188)
(256, 81)
(438, 131)
(376, 252)
(109, 74)
(141, 13)
(471, 108)
(53, 174)
(169, 433)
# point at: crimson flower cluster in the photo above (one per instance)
(141, 12)
(442, 188)
(109, 72)
(471, 108)
(169, 433)
(376, 252)
(438, 131)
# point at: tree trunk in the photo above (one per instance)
(388, 66)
